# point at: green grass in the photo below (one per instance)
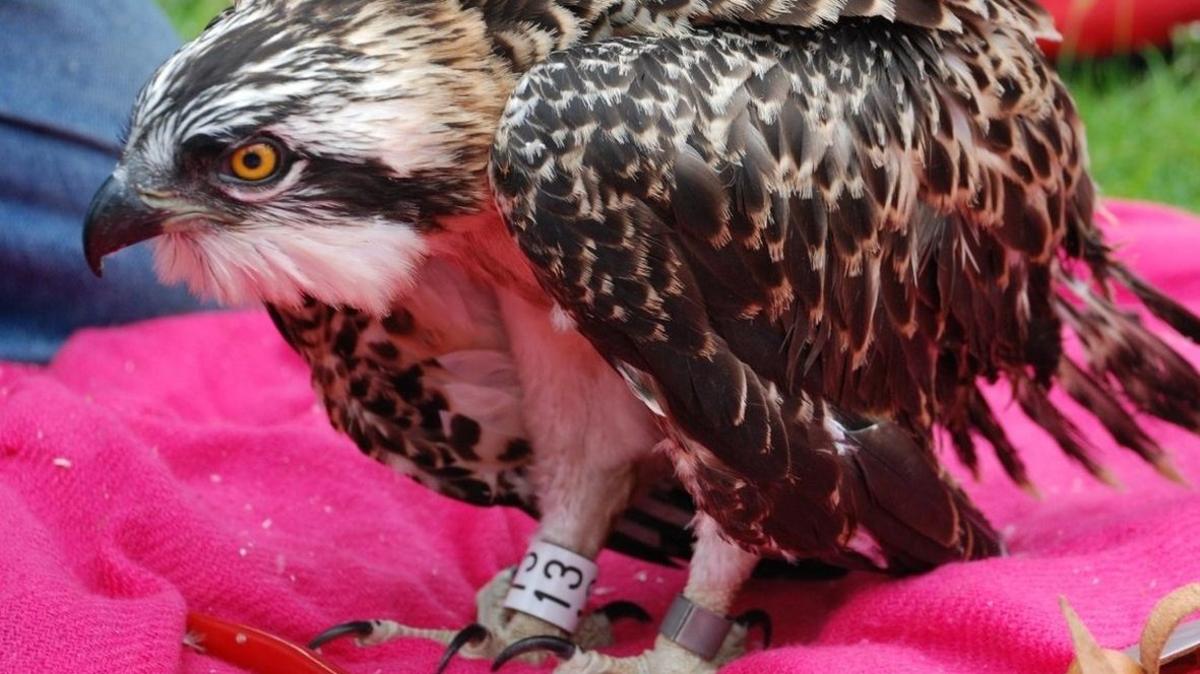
(1143, 123)
(1143, 115)
(191, 16)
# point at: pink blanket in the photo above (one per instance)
(183, 463)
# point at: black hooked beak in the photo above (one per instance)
(118, 218)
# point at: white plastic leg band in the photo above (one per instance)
(552, 583)
(696, 628)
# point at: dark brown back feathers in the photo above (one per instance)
(817, 243)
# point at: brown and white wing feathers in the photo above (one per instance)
(736, 214)
(815, 243)
(525, 32)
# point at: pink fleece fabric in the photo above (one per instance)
(184, 464)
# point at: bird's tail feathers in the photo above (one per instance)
(1124, 363)
(911, 514)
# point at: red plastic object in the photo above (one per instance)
(253, 649)
(1106, 27)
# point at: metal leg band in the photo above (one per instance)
(695, 628)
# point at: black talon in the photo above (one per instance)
(760, 619)
(557, 645)
(470, 634)
(624, 610)
(359, 628)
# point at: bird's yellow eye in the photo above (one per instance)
(254, 162)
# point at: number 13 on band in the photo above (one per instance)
(552, 583)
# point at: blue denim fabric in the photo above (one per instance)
(69, 72)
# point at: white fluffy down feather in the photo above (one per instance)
(366, 265)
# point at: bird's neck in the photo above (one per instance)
(480, 244)
(518, 38)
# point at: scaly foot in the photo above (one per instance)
(667, 657)
(497, 628)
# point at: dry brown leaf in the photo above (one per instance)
(1091, 658)
(1165, 617)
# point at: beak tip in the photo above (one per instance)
(95, 258)
(116, 219)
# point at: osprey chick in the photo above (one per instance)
(783, 241)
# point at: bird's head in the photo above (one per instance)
(306, 148)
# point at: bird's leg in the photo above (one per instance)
(588, 434)
(594, 629)
(697, 637)
(557, 572)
